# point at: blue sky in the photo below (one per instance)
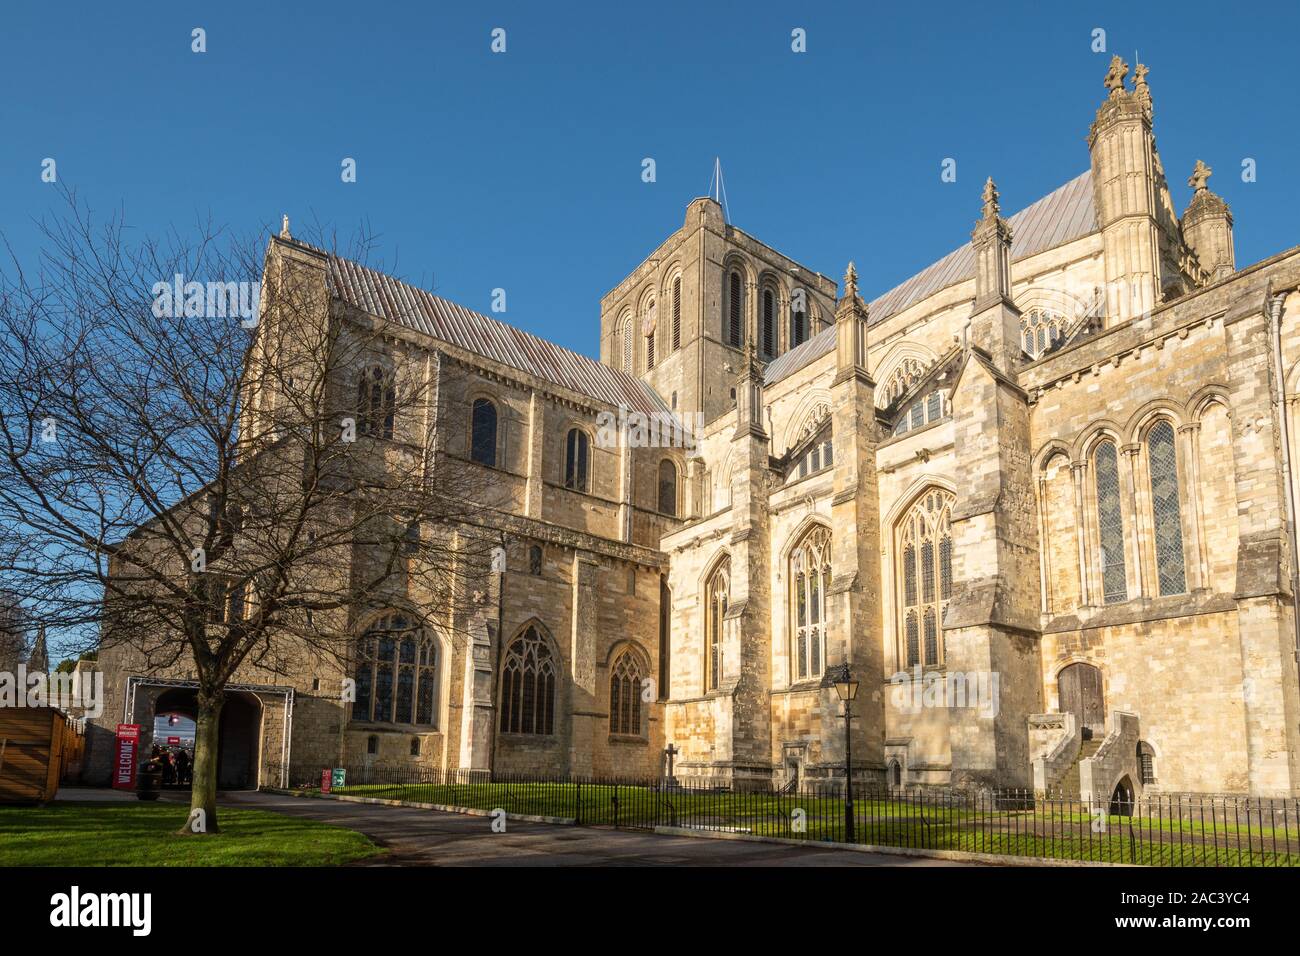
(522, 170)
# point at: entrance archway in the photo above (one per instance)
(1121, 799)
(1079, 690)
(239, 747)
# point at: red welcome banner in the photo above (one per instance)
(128, 749)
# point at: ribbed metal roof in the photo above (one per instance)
(1059, 217)
(388, 298)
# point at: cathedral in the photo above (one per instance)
(1037, 499)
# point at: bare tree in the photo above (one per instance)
(215, 487)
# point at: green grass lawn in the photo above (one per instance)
(144, 834)
(883, 822)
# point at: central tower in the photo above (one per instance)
(684, 318)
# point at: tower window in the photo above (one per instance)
(677, 313)
(668, 488)
(735, 322)
(576, 453)
(483, 432)
(769, 323)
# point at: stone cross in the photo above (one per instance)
(670, 752)
(1115, 75)
(1200, 175)
(284, 226)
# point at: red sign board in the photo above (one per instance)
(173, 741)
(128, 749)
(326, 777)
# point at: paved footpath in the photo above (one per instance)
(433, 838)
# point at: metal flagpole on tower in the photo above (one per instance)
(717, 189)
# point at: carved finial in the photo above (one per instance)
(1115, 75)
(284, 227)
(990, 197)
(1200, 175)
(1140, 85)
(851, 282)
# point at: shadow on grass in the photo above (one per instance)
(145, 834)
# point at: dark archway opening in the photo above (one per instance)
(239, 742)
(1121, 801)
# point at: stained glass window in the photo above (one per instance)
(528, 686)
(715, 613)
(1166, 511)
(810, 577)
(924, 537)
(395, 673)
(1110, 523)
(625, 695)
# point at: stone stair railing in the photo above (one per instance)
(1054, 741)
(1115, 758)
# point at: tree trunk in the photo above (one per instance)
(203, 790)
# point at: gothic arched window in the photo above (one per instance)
(668, 488)
(1166, 509)
(626, 334)
(396, 673)
(648, 329)
(735, 310)
(810, 583)
(1040, 331)
(483, 432)
(901, 379)
(576, 453)
(677, 313)
(925, 577)
(528, 686)
(1110, 523)
(376, 403)
(798, 319)
(769, 322)
(625, 695)
(716, 592)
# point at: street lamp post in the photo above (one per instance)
(847, 689)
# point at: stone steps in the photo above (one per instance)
(1069, 783)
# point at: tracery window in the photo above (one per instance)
(923, 411)
(901, 379)
(810, 582)
(1110, 523)
(625, 695)
(924, 542)
(576, 465)
(1166, 509)
(1040, 331)
(528, 686)
(396, 673)
(376, 403)
(716, 592)
(817, 458)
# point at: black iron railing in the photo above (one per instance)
(1161, 830)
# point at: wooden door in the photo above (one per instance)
(1080, 694)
